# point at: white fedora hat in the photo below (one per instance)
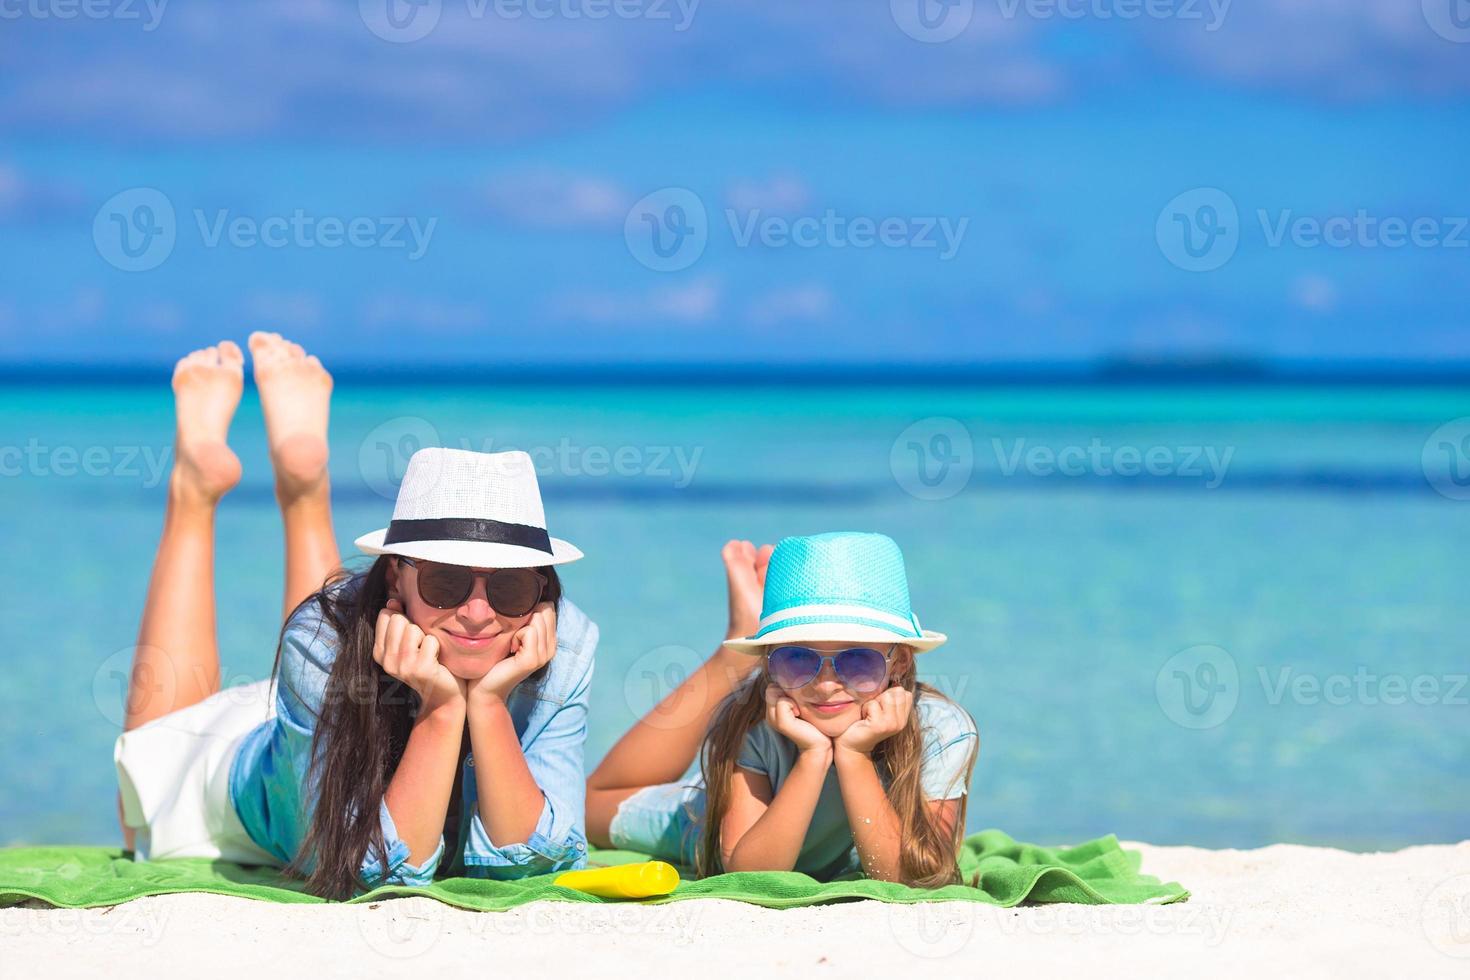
(459, 507)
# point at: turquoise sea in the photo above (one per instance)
(1260, 635)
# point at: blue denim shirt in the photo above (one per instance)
(269, 774)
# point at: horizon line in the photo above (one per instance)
(1100, 371)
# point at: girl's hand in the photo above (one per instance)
(782, 715)
(532, 648)
(883, 717)
(406, 654)
(745, 578)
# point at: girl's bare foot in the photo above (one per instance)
(207, 386)
(295, 395)
(745, 577)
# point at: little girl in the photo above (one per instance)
(832, 758)
(425, 716)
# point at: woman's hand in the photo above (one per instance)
(407, 654)
(745, 579)
(532, 648)
(782, 715)
(883, 717)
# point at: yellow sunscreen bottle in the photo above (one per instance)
(649, 879)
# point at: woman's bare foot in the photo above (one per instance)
(295, 395)
(207, 386)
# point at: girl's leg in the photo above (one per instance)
(295, 396)
(660, 747)
(176, 662)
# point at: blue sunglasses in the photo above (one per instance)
(860, 669)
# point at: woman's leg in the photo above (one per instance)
(660, 747)
(295, 396)
(176, 662)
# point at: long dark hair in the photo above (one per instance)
(361, 732)
(928, 854)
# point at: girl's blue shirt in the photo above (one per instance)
(950, 742)
(269, 774)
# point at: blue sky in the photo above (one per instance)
(830, 180)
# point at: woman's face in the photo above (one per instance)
(829, 705)
(472, 637)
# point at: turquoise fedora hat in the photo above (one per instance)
(843, 586)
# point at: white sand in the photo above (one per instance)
(1280, 911)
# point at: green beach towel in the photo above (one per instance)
(1098, 872)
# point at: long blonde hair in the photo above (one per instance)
(927, 853)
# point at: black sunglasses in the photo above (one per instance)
(510, 591)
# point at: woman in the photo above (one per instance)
(426, 716)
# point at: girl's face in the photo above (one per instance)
(829, 705)
(472, 637)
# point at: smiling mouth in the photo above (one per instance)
(472, 642)
(830, 708)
